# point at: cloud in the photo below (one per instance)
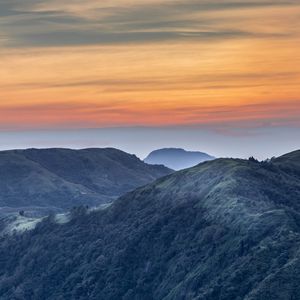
(51, 23)
(71, 38)
(227, 119)
(202, 54)
(207, 81)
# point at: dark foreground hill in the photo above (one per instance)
(176, 159)
(51, 179)
(224, 230)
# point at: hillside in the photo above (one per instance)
(58, 179)
(176, 159)
(227, 229)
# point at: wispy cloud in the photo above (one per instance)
(207, 81)
(227, 119)
(58, 23)
(221, 64)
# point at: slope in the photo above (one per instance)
(226, 229)
(61, 178)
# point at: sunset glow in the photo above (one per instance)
(149, 63)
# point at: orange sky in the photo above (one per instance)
(149, 63)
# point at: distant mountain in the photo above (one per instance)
(57, 179)
(227, 229)
(176, 159)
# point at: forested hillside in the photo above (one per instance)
(58, 179)
(227, 229)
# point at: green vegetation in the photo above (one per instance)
(224, 230)
(58, 179)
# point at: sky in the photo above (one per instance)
(221, 76)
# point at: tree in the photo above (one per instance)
(252, 159)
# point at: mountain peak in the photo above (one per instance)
(176, 158)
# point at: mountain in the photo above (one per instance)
(227, 229)
(176, 159)
(58, 179)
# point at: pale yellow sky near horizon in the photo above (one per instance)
(149, 63)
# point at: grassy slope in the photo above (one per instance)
(226, 229)
(63, 178)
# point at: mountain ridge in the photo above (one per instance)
(66, 177)
(177, 158)
(227, 229)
